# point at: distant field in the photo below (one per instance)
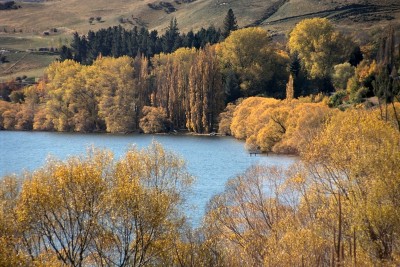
(31, 26)
(24, 63)
(23, 42)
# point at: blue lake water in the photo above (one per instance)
(212, 160)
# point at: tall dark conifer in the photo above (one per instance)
(230, 23)
(93, 47)
(171, 37)
(76, 47)
(188, 39)
(79, 47)
(294, 66)
(232, 86)
(155, 48)
(65, 53)
(116, 48)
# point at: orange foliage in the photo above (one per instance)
(269, 124)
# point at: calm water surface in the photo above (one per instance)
(212, 160)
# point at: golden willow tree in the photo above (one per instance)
(104, 96)
(96, 211)
(354, 164)
(242, 222)
(273, 125)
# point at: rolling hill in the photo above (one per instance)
(44, 24)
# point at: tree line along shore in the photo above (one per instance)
(232, 82)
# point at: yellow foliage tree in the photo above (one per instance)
(118, 101)
(10, 232)
(269, 124)
(93, 210)
(355, 160)
(304, 122)
(319, 46)
(250, 54)
(243, 223)
(142, 220)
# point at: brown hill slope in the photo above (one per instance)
(36, 17)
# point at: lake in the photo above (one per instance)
(211, 159)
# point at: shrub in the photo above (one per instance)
(341, 74)
(337, 98)
(360, 94)
(3, 59)
(4, 5)
(17, 97)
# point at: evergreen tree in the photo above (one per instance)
(132, 46)
(171, 37)
(154, 43)
(117, 41)
(65, 53)
(79, 47)
(93, 47)
(232, 86)
(356, 56)
(294, 66)
(116, 48)
(76, 42)
(230, 23)
(142, 41)
(188, 39)
(83, 49)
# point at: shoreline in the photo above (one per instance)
(177, 133)
(121, 133)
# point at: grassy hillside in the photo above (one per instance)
(32, 25)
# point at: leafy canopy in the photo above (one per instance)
(319, 46)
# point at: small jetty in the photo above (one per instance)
(254, 152)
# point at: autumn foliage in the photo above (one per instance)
(339, 205)
(111, 95)
(94, 210)
(281, 126)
